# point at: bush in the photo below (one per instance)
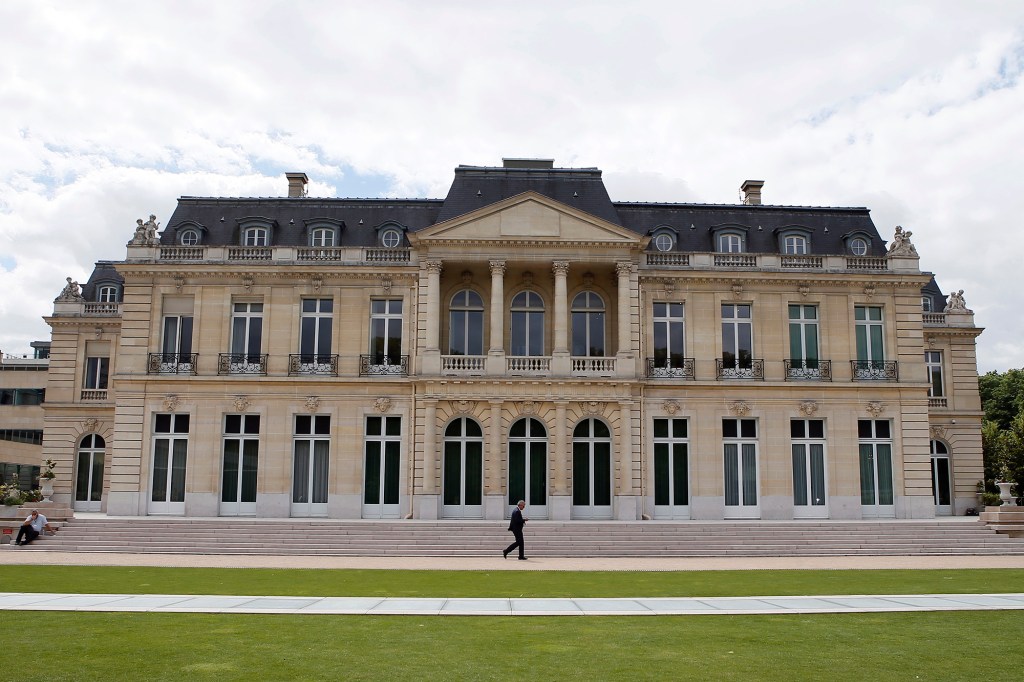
(10, 495)
(991, 499)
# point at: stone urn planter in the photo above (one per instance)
(46, 488)
(1004, 493)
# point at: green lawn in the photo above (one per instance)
(194, 647)
(355, 583)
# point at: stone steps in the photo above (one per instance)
(544, 538)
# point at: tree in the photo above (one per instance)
(1002, 396)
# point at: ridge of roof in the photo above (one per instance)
(753, 207)
(313, 200)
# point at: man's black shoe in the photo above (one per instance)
(504, 554)
(522, 558)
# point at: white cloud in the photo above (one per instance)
(110, 110)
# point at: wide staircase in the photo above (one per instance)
(151, 535)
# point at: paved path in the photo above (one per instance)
(655, 606)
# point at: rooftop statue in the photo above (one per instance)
(956, 304)
(901, 245)
(71, 292)
(145, 233)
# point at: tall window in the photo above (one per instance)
(527, 338)
(463, 468)
(942, 480)
(241, 463)
(803, 336)
(89, 473)
(870, 333)
(592, 469)
(671, 464)
(588, 325)
(322, 236)
(669, 319)
(933, 365)
(177, 341)
(386, 331)
(381, 470)
(926, 304)
(740, 461)
(794, 245)
(96, 370)
(255, 236)
(311, 445)
(808, 445)
(876, 485)
(316, 324)
(527, 462)
(466, 324)
(170, 457)
(246, 332)
(737, 336)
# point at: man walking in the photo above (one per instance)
(516, 526)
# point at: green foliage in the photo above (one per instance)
(1002, 433)
(1002, 396)
(11, 496)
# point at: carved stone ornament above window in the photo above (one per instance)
(528, 407)
(590, 407)
(739, 408)
(179, 282)
(247, 283)
(467, 277)
(804, 290)
(313, 403)
(671, 407)
(317, 282)
(385, 284)
(382, 404)
(171, 402)
(90, 425)
(875, 407)
(242, 403)
(937, 432)
(737, 290)
(808, 408)
(463, 406)
(588, 279)
(869, 291)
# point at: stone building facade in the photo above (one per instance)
(524, 338)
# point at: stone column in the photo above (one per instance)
(433, 340)
(430, 447)
(494, 489)
(560, 501)
(561, 270)
(496, 350)
(627, 506)
(623, 270)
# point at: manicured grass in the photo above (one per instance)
(895, 646)
(356, 583)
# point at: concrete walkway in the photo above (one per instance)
(393, 606)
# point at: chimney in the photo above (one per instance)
(296, 184)
(751, 190)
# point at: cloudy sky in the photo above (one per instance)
(110, 110)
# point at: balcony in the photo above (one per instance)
(744, 368)
(735, 260)
(670, 368)
(464, 365)
(937, 402)
(934, 318)
(250, 364)
(592, 367)
(312, 365)
(808, 370)
(172, 363)
(874, 370)
(802, 262)
(107, 309)
(866, 263)
(383, 365)
(250, 253)
(668, 259)
(91, 395)
(528, 365)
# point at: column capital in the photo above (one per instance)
(623, 268)
(497, 267)
(560, 267)
(434, 265)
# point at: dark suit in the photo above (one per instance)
(516, 526)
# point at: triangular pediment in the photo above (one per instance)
(528, 217)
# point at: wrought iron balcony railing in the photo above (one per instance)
(172, 363)
(383, 365)
(874, 370)
(312, 365)
(749, 368)
(670, 368)
(242, 363)
(808, 370)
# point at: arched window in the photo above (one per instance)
(592, 469)
(941, 478)
(527, 463)
(89, 473)
(189, 237)
(255, 236)
(391, 237)
(322, 236)
(858, 246)
(730, 242)
(466, 324)
(794, 244)
(463, 469)
(527, 325)
(106, 293)
(588, 325)
(663, 241)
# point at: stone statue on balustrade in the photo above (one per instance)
(901, 245)
(956, 304)
(145, 233)
(70, 293)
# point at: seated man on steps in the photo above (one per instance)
(35, 524)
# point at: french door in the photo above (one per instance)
(89, 474)
(740, 469)
(810, 500)
(170, 459)
(528, 467)
(591, 470)
(671, 469)
(877, 499)
(463, 470)
(942, 480)
(240, 465)
(311, 449)
(381, 467)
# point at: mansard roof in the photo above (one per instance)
(102, 273)
(219, 219)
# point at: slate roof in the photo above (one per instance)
(103, 273)
(220, 219)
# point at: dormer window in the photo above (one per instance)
(794, 245)
(390, 237)
(730, 242)
(256, 236)
(106, 293)
(664, 240)
(322, 236)
(926, 304)
(189, 237)
(858, 246)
